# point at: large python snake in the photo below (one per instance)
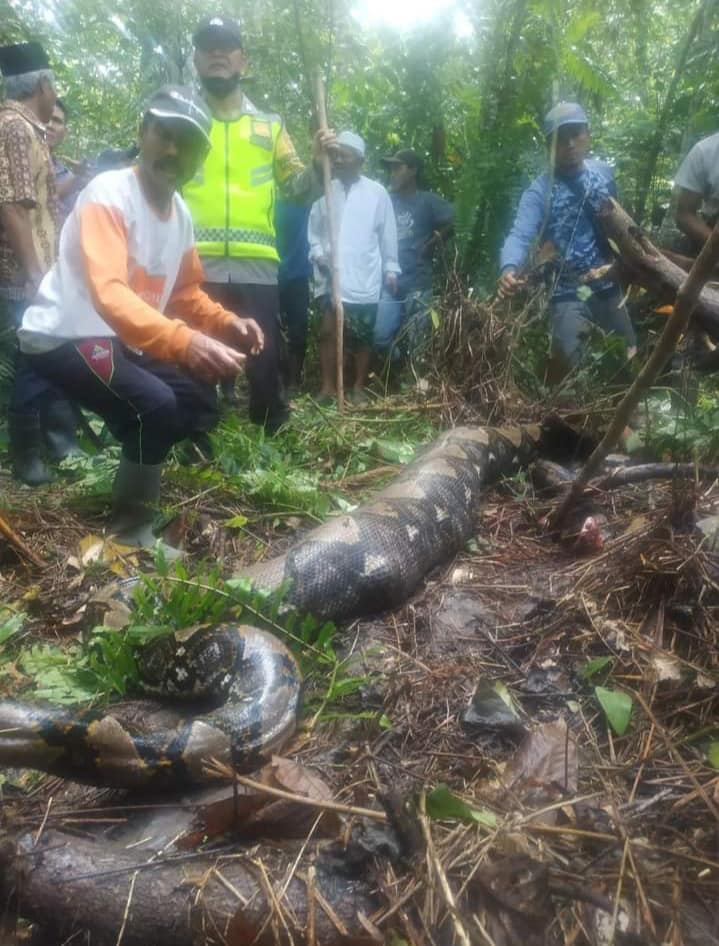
(360, 563)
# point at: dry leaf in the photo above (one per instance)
(666, 668)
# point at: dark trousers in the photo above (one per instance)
(294, 309)
(148, 404)
(261, 303)
(30, 391)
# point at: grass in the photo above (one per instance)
(302, 471)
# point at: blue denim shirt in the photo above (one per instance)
(568, 224)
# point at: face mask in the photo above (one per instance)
(220, 86)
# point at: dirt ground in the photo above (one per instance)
(569, 832)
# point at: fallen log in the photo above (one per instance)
(104, 894)
(647, 266)
(643, 472)
(684, 307)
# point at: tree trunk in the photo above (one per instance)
(645, 265)
(704, 10)
(71, 884)
(677, 323)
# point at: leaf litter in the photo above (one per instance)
(594, 822)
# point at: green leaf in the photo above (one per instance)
(394, 451)
(11, 626)
(594, 666)
(442, 804)
(713, 755)
(617, 708)
(584, 293)
(236, 522)
(435, 316)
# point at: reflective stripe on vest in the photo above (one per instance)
(232, 197)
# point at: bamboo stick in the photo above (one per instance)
(334, 255)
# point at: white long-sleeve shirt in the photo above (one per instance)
(367, 239)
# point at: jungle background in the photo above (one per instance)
(466, 85)
(599, 664)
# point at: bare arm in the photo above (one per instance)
(15, 219)
(688, 219)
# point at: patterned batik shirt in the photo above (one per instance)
(562, 209)
(27, 178)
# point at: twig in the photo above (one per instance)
(19, 544)
(311, 906)
(334, 246)
(462, 934)
(676, 755)
(43, 823)
(300, 799)
(676, 325)
(127, 909)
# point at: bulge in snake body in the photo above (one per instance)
(366, 561)
(421, 518)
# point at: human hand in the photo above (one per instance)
(324, 140)
(245, 335)
(509, 284)
(390, 281)
(211, 360)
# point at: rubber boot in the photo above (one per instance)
(26, 448)
(59, 423)
(135, 493)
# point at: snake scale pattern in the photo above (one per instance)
(360, 563)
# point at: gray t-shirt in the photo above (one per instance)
(699, 172)
(417, 218)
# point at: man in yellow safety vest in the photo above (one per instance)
(232, 200)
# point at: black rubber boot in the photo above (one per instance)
(59, 423)
(26, 448)
(135, 493)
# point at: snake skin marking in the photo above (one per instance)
(247, 707)
(512, 434)
(373, 564)
(204, 743)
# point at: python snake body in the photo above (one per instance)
(360, 563)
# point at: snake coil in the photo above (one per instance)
(247, 706)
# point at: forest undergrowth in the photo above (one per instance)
(549, 707)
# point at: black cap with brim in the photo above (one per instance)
(405, 156)
(22, 58)
(218, 27)
(180, 102)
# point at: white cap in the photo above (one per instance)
(351, 140)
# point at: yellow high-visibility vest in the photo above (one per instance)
(232, 197)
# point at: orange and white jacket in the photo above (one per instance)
(123, 270)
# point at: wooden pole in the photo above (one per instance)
(677, 323)
(334, 255)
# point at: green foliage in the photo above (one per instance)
(676, 428)
(595, 666)
(444, 805)
(470, 102)
(713, 755)
(617, 707)
(294, 473)
(10, 623)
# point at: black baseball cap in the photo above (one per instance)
(218, 27)
(180, 101)
(21, 58)
(405, 156)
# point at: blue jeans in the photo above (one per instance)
(572, 319)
